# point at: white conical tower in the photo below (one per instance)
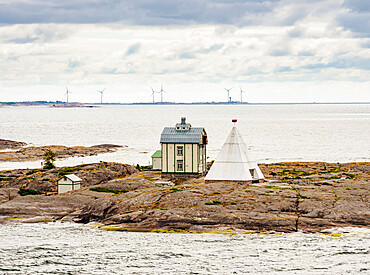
(234, 163)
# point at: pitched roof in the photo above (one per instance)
(73, 177)
(234, 162)
(172, 135)
(157, 154)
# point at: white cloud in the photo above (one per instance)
(282, 50)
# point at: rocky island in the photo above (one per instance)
(18, 152)
(305, 196)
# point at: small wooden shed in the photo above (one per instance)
(157, 160)
(69, 183)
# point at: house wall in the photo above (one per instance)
(157, 163)
(190, 158)
(65, 185)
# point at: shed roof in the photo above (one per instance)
(72, 177)
(171, 135)
(157, 154)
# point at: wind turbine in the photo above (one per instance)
(101, 95)
(228, 94)
(153, 92)
(241, 95)
(161, 92)
(67, 92)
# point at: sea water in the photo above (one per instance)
(274, 133)
(333, 133)
(65, 248)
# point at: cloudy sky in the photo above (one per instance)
(275, 50)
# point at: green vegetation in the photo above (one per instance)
(213, 203)
(299, 194)
(335, 194)
(107, 190)
(66, 171)
(49, 158)
(26, 192)
(29, 178)
(216, 193)
(269, 191)
(177, 189)
(350, 176)
(5, 179)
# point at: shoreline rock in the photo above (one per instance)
(33, 153)
(304, 197)
(10, 144)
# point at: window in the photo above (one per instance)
(180, 150)
(180, 165)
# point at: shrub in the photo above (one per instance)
(213, 203)
(107, 190)
(49, 158)
(26, 192)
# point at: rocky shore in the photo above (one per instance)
(33, 153)
(309, 197)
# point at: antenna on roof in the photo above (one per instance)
(228, 94)
(101, 96)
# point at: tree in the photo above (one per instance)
(49, 158)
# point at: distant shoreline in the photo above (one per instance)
(59, 104)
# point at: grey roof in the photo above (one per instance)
(73, 177)
(171, 135)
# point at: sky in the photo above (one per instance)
(274, 50)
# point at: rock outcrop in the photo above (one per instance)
(33, 153)
(10, 144)
(299, 196)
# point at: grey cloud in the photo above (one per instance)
(139, 12)
(21, 34)
(357, 5)
(357, 19)
(343, 63)
(280, 52)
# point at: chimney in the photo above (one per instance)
(183, 120)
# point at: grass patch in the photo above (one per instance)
(350, 176)
(270, 191)
(107, 190)
(6, 179)
(299, 194)
(29, 178)
(213, 203)
(26, 192)
(177, 189)
(65, 171)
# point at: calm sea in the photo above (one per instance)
(336, 133)
(333, 133)
(65, 248)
